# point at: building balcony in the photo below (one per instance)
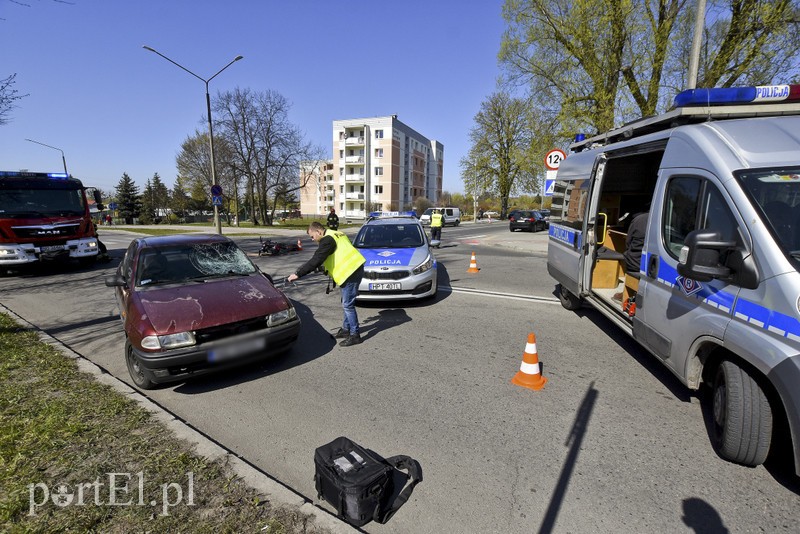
(354, 160)
(354, 196)
(354, 178)
(354, 141)
(356, 214)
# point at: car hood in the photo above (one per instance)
(388, 258)
(203, 305)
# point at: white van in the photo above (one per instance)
(452, 216)
(716, 297)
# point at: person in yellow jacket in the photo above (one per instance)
(345, 264)
(437, 221)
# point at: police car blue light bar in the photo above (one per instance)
(377, 214)
(720, 96)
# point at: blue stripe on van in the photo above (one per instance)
(565, 234)
(744, 310)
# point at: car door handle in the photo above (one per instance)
(652, 266)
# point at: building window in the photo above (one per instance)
(378, 134)
(378, 189)
(378, 152)
(378, 171)
(341, 153)
(341, 171)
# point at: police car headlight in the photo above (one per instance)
(170, 341)
(283, 316)
(424, 266)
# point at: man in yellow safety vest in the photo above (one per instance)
(345, 265)
(437, 221)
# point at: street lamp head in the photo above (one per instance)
(237, 58)
(148, 48)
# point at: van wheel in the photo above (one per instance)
(135, 369)
(568, 300)
(742, 426)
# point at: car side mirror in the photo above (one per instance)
(98, 199)
(701, 254)
(116, 280)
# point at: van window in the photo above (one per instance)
(569, 202)
(776, 192)
(694, 203)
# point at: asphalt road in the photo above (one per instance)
(613, 443)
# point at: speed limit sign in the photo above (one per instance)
(553, 159)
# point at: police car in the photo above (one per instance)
(399, 263)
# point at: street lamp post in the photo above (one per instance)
(217, 221)
(63, 159)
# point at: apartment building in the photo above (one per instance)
(378, 164)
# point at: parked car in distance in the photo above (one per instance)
(452, 216)
(490, 215)
(192, 303)
(400, 264)
(530, 220)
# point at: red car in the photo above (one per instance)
(192, 303)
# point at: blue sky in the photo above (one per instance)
(113, 107)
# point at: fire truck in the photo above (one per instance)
(45, 217)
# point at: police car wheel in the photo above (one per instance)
(742, 418)
(568, 300)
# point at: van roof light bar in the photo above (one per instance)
(701, 105)
(726, 96)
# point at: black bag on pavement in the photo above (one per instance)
(362, 485)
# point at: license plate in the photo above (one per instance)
(388, 286)
(51, 248)
(238, 348)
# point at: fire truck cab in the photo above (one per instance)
(45, 216)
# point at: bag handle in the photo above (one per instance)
(409, 464)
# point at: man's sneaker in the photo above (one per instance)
(342, 334)
(351, 340)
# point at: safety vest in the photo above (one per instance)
(345, 260)
(436, 219)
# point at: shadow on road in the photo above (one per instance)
(574, 440)
(702, 517)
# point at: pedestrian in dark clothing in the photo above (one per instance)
(345, 265)
(333, 220)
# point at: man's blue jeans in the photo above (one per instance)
(349, 292)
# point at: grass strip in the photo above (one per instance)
(62, 435)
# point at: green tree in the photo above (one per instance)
(593, 64)
(179, 200)
(500, 142)
(128, 200)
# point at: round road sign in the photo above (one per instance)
(554, 158)
(216, 190)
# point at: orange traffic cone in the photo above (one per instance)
(473, 264)
(299, 245)
(530, 372)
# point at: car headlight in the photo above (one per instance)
(274, 319)
(424, 266)
(170, 341)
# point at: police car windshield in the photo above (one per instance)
(399, 235)
(776, 192)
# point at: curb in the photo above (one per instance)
(277, 492)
